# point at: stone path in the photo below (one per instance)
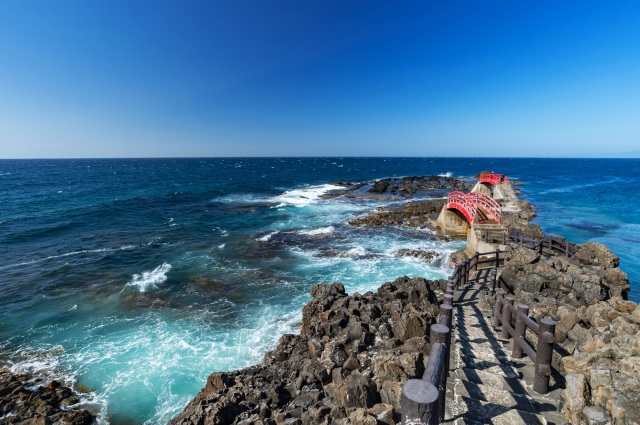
(485, 386)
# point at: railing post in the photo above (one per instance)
(477, 257)
(521, 329)
(439, 334)
(419, 403)
(492, 282)
(544, 351)
(506, 317)
(541, 245)
(497, 257)
(504, 238)
(447, 299)
(446, 310)
(467, 269)
(497, 308)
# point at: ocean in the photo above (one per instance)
(134, 279)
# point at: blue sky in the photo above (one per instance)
(318, 78)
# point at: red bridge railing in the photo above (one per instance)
(487, 203)
(463, 203)
(468, 205)
(493, 178)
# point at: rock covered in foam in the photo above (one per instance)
(348, 364)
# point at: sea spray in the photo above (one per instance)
(149, 280)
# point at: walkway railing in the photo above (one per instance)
(464, 204)
(468, 205)
(503, 313)
(422, 400)
(488, 204)
(551, 244)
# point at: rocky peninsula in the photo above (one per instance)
(354, 352)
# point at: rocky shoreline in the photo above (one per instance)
(26, 400)
(346, 366)
(354, 352)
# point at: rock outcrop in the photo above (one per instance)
(411, 215)
(398, 188)
(346, 366)
(23, 401)
(597, 328)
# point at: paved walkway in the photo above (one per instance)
(485, 386)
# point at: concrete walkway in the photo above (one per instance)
(485, 386)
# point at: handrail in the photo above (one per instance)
(503, 312)
(488, 203)
(423, 399)
(468, 205)
(553, 244)
(464, 204)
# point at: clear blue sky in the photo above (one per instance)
(308, 78)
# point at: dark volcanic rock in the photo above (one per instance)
(20, 403)
(412, 185)
(400, 188)
(421, 254)
(411, 215)
(347, 365)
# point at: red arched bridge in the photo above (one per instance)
(475, 206)
(493, 178)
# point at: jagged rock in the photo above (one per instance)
(575, 397)
(340, 368)
(24, 400)
(421, 254)
(412, 215)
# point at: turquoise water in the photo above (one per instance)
(138, 278)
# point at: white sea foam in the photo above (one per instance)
(221, 245)
(319, 231)
(447, 174)
(305, 196)
(357, 251)
(150, 279)
(267, 237)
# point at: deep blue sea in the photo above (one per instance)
(137, 278)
